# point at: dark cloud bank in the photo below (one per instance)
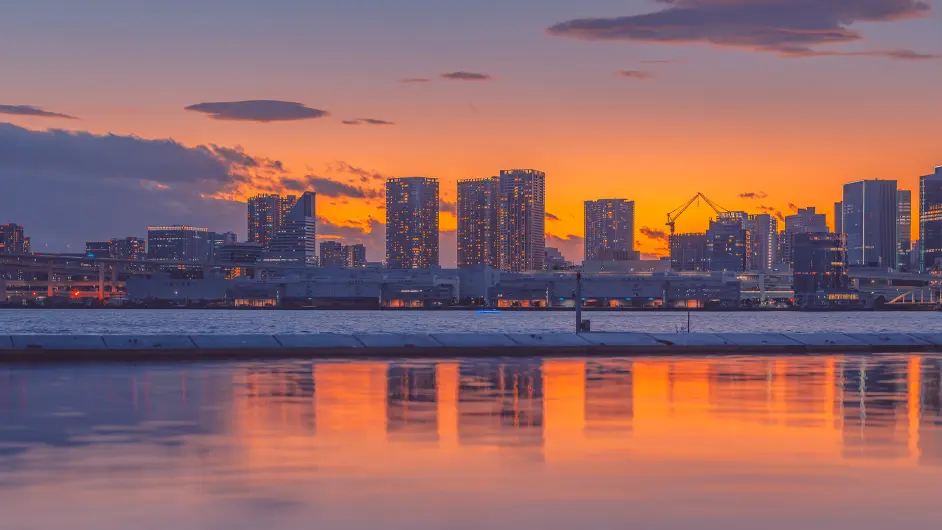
(793, 28)
(260, 110)
(27, 110)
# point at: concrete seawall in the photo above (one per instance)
(29, 348)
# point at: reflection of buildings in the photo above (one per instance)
(566, 410)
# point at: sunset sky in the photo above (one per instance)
(646, 100)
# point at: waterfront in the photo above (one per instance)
(779, 443)
(179, 321)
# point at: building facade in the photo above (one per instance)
(870, 223)
(762, 234)
(296, 241)
(904, 228)
(332, 254)
(178, 243)
(412, 206)
(727, 242)
(521, 216)
(838, 217)
(689, 253)
(266, 216)
(130, 248)
(354, 256)
(13, 240)
(609, 229)
(806, 220)
(478, 228)
(930, 219)
(98, 249)
(820, 269)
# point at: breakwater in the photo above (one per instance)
(27, 348)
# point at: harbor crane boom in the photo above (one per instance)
(677, 212)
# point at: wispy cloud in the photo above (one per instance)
(330, 188)
(657, 235)
(791, 28)
(639, 75)
(754, 195)
(467, 76)
(262, 111)
(27, 110)
(415, 80)
(551, 217)
(367, 121)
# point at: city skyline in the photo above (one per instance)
(623, 117)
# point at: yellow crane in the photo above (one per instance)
(677, 212)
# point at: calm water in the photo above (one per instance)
(13, 321)
(711, 443)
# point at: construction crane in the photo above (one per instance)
(677, 212)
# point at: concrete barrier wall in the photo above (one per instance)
(78, 347)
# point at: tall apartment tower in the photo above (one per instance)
(412, 223)
(806, 221)
(13, 240)
(762, 237)
(178, 243)
(727, 242)
(267, 214)
(478, 228)
(609, 229)
(296, 241)
(839, 217)
(521, 216)
(904, 227)
(930, 219)
(870, 223)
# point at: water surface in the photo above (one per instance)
(686, 443)
(190, 321)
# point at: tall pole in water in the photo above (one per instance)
(578, 302)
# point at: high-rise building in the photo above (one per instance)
(930, 219)
(820, 263)
(130, 248)
(267, 213)
(354, 256)
(689, 253)
(869, 223)
(521, 216)
(13, 239)
(332, 254)
(478, 229)
(412, 223)
(296, 241)
(178, 243)
(727, 242)
(762, 234)
(609, 228)
(904, 227)
(838, 217)
(806, 221)
(98, 249)
(219, 240)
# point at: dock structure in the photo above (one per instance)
(36, 348)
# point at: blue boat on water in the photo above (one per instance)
(488, 311)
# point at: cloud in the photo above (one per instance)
(467, 76)
(141, 181)
(551, 217)
(27, 110)
(639, 75)
(367, 121)
(658, 61)
(448, 206)
(657, 235)
(415, 80)
(363, 174)
(774, 211)
(260, 110)
(330, 188)
(791, 28)
(754, 195)
(792, 206)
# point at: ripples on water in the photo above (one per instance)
(90, 321)
(772, 443)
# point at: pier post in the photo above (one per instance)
(578, 296)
